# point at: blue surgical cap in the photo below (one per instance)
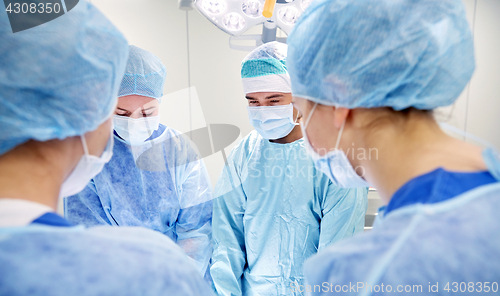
(58, 79)
(264, 69)
(145, 75)
(381, 53)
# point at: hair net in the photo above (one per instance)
(59, 79)
(375, 53)
(145, 75)
(264, 69)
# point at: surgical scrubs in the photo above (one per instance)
(440, 231)
(51, 257)
(274, 210)
(162, 185)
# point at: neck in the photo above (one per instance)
(28, 173)
(293, 136)
(419, 147)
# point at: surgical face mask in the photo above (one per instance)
(86, 169)
(272, 122)
(334, 164)
(135, 131)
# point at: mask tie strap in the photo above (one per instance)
(340, 134)
(465, 134)
(310, 115)
(84, 144)
(296, 118)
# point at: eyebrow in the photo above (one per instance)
(153, 107)
(266, 98)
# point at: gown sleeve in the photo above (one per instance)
(229, 257)
(194, 222)
(343, 214)
(85, 208)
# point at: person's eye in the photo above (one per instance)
(147, 114)
(253, 102)
(121, 114)
(275, 101)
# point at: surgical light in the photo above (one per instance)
(233, 21)
(252, 8)
(288, 15)
(235, 17)
(214, 6)
(305, 4)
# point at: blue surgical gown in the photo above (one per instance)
(425, 243)
(161, 185)
(273, 210)
(44, 259)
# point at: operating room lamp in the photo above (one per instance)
(235, 17)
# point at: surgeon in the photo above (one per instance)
(58, 87)
(368, 74)
(156, 178)
(274, 209)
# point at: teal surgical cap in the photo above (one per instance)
(264, 69)
(381, 53)
(144, 76)
(58, 79)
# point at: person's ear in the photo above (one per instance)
(340, 116)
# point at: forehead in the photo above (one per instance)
(134, 102)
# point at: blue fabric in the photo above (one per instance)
(492, 159)
(145, 75)
(437, 186)
(455, 240)
(41, 260)
(59, 79)
(273, 210)
(52, 219)
(262, 67)
(381, 53)
(267, 59)
(162, 185)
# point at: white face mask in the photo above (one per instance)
(334, 164)
(86, 169)
(272, 122)
(135, 131)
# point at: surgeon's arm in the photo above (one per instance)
(85, 208)
(229, 258)
(194, 222)
(193, 230)
(343, 214)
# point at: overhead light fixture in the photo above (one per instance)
(185, 5)
(252, 8)
(214, 7)
(235, 17)
(305, 4)
(288, 15)
(233, 21)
